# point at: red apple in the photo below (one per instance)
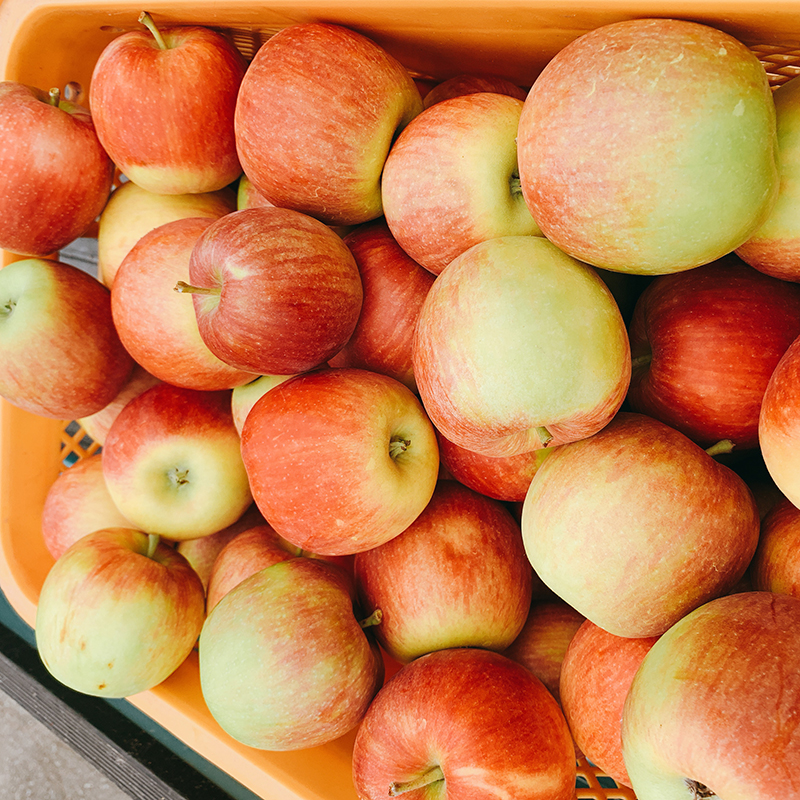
(457, 576)
(394, 288)
(652, 172)
(451, 179)
(340, 460)
(274, 291)
(704, 344)
(77, 503)
(464, 724)
(469, 83)
(596, 673)
(284, 662)
(132, 211)
(60, 353)
(118, 613)
(156, 324)
(776, 563)
(316, 115)
(172, 463)
(517, 347)
(637, 525)
(163, 104)
(55, 176)
(711, 711)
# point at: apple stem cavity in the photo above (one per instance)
(433, 775)
(54, 97)
(146, 20)
(723, 446)
(641, 361)
(153, 540)
(187, 288)
(699, 791)
(373, 619)
(545, 437)
(398, 445)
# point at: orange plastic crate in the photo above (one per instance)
(55, 42)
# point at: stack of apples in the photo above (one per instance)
(434, 413)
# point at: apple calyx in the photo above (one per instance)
(178, 477)
(8, 308)
(545, 437)
(699, 791)
(152, 544)
(146, 20)
(373, 619)
(187, 288)
(397, 446)
(433, 775)
(514, 184)
(723, 446)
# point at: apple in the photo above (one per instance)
(60, 354)
(711, 709)
(543, 641)
(284, 662)
(451, 181)
(163, 103)
(97, 425)
(774, 248)
(394, 287)
(118, 613)
(132, 211)
(650, 146)
(779, 424)
(471, 83)
(340, 460)
(464, 723)
(502, 478)
(776, 564)
(518, 346)
(704, 344)
(317, 112)
(637, 525)
(172, 463)
(155, 323)
(457, 576)
(597, 670)
(55, 176)
(244, 397)
(274, 291)
(77, 503)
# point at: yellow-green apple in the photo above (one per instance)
(471, 83)
(132, 211)
(284, 661)
(55, 176)
(155, 323)
(163, 103)
(172, 463)
(776, 564)
(650, 146)
(704, 344)
(274, 291)
(97, 425)
(596, 673)
(451, 179)
(77, 503)
(775, 247)
(244, 397)
(203, 551)
(394, 287)
(504, 478)
(60, 353)
(247, 196)
(317, 112)
(118, 613)
(519, 346)
(711, 710)
(779, 424)
(457, 576)
(464, 723)
(637, 525)
(543, 641)
(340, 460)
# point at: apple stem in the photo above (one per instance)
(187, 288)
(54, 96)
(433, 775)
(398, 445)
(373, 619)
(147, 21)
(723, 446)
(545, 437)
(152, 544)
